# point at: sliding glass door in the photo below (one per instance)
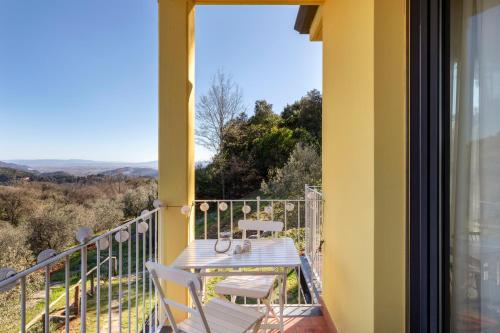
(474, 166)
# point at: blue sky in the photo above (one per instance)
(78, 79)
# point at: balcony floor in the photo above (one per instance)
(303, 319)
(313, 324)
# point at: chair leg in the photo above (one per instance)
(256, 328)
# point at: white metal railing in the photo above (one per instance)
(314, 232)
(130, 245)
(139, 236)
(215, 216)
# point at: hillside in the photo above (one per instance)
(8, 175)
(79, 167)
(132, 172)
(16, 166)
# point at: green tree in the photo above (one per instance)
(253, 148)
(15, 204)
(305, 115)
(303, 167)
(108, 214)
(53, 225)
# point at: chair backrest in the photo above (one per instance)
(175, 275)
(259, 225)
(180, 277)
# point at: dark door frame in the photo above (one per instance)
(427, 160)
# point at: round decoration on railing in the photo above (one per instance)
(6, 273)
(289, 206)
(223, 206)
(204, 207)
(45, 255)
(311, 195)
(103, 243)
(157, 203)
(121, 236)
(186, 210)
(246, 209)
(145, 213)
(142, 227)
(83, 235)
(268, 210)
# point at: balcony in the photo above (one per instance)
(101, 285)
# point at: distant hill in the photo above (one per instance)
(17, 166)
(10, 175)
(132, 172)
(79, 167)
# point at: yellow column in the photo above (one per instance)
(176, 131)
(364, 164)
(348, 165)
(390, 166)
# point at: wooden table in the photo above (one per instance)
(274, 256)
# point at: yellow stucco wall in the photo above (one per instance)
(390, 165)
(176, 130)
(348, 164)
(364, 164)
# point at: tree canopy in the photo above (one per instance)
(255, 147)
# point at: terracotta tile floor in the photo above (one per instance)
(309, 324)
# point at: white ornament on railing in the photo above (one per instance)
(83, 235)
(204, 207)
(6, 273)
(121, 236)
(142, 227)
(144, 213)
(246, 209)
(157, 203)
(103, 243)
(289, 206)
(45, 255)
(186, 210)
(268, 210)
(223, 206)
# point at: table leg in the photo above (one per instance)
(282, 299)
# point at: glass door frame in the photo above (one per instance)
(428, 108)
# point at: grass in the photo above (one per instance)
(91, 319)
(35, 305)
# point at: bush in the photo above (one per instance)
(303, 167)
(108, 214)
(53, 226)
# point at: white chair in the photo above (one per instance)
(216, 316)
(252, 286)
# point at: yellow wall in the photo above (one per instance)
(176, 129)
(348, 164)
(390, 165)
(364, 164)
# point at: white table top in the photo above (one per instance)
(200, 254)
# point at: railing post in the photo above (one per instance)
(76, 302)
(92, 288)
(83, 307)
(47, 298)
(23, 304)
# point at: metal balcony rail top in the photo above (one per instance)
(59, 257)
(253, 200)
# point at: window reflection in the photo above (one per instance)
(475, 166)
